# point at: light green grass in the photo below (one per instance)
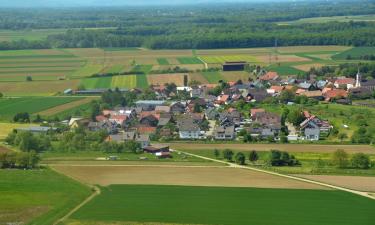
(115, 69)
(189, 60)
(30, 35)
(87, 70)
(142, 81)
(355, 53)
(227, 206)
(142, 69)
(285, 69)
(213, 77)
(124, 81)
(228, 58)
(39, 197)
(32, 105)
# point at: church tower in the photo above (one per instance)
(358, 80)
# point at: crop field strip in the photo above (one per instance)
(124, 81)
(223, 59)
(163, 61)
(242, 206)
(10, 107)
(64, 107)
(189, 60)
(213, 77)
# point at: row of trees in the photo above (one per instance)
(341, 159)
(22, 160)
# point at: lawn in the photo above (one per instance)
(224, 205)
(213, 77)
(11, 106)
(355, 53)
(124, 81)
(37, 197)
(189, 60)
(162, 61)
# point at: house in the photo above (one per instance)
(149, 105)
(164, 119)
(153, 149)
(149, 118)
(76, 122)
(258, 95)
(269, 76)
(313, 127)
(146, 130)
(234, 66)
(211, 113)
(102, 125)
(188, 129)
(162, 108)
(142, 139)
(368, 84)
(224, 133)
(318, 95)
(305, 86)
(119, 120)
(270, 123)
(230, 118)
(344, 83)
(177, 108)
(253, 112)
(275, 89)
(222, 99)
(196, 92)
(335, 94)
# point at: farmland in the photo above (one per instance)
(6, 128)
(60, 69)
(37, 196)
(64, 107)
(10, 107)
(358, 18)
(355, 53)
(226, 205)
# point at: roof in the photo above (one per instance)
(255, 111)
(269, 76)
(142, 137)
(336, 93)
(150, 102)
(146, 130)
(343, 81)
(312, 94)
(277, 88)
(304, 85)
(187, 124)
(162, 108)
(36, 129)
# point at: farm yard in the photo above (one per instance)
(224, 205)
(60, 69)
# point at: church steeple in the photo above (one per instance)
(358, 79)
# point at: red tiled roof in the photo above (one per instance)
(254, 111)
(146, 130)
(344, 81)
(269, 76)
(336, 93)
(277, 88)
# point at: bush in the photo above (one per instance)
(228, 154)
(361, 161)
(340, 158)
(240, 158)
(278, 158)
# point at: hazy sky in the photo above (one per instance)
(69, 3)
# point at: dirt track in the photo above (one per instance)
(283, 147)
(191, 176)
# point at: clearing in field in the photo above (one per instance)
(11, 106)
(124, 81)
(65, 107)
(160, 79)
(226, 206)
(37, 197)
(283, 147)
(189, 60)
(179, 175)
(352, 182)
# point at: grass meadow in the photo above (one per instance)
(213, 77)
(189, 60)
(227, 206)
(37, 197)
(11, 106)
(355, 53)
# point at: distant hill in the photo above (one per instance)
(86, 3)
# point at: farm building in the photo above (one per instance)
(234, 66)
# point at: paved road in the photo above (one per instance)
(361, 193)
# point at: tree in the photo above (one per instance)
(228, 154)
(253, 156)
(240, 158)
(29, 78)
(340, 158)
(287, 96)
(95, 110)
(23, 117)
(216, 153)
(361, 161)
(295, 117)
(1, 95)
(342, 136)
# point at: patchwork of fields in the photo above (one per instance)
(67, 68)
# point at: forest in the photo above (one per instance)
(193, 27)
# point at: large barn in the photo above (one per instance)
(234, 66)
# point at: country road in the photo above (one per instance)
(360, 193)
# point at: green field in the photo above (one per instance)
(142, 81)
(97, 82)
(228, 58)
(355, 53)
(213, 77)
(162, 61)
(115, 69)
(142, 69)
(221, 205)
(30, 35)
(286, 69)
(189, 60)
(124, 81)
(37, 197)
(32, 105)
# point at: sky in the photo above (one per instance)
(78, 3)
